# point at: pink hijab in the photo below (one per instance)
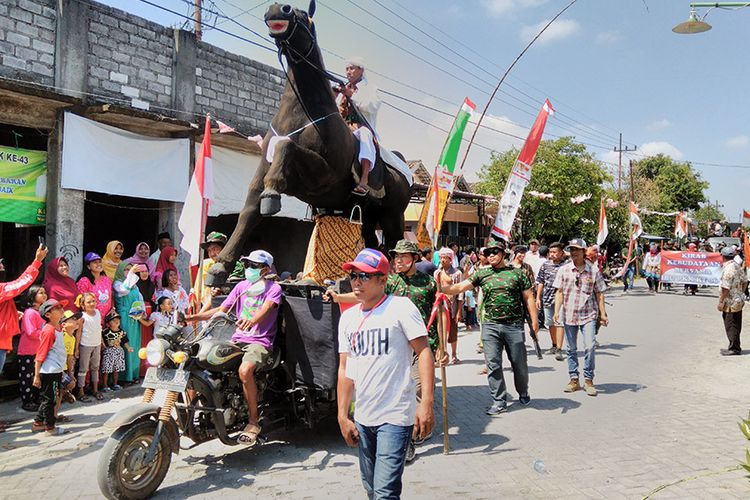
(136, 259)
(60, 287)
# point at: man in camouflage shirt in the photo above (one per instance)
(505, 290)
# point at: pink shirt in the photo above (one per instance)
(31, 329)
(102, 289)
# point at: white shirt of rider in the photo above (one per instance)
(379, 360)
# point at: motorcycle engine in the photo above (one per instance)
(235, 409)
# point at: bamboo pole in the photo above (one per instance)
(441, 354)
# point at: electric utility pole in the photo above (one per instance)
(619, 162)
(198, 27)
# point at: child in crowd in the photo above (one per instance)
(163, 316)
(115, 341)
(48, 368)
(89, 347)
(69, 324)
(171, 288)
(31, 330)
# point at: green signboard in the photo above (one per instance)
(23, 186)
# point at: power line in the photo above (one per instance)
(485, 59)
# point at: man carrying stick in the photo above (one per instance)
(505, 290)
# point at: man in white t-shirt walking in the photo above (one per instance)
(376, 341)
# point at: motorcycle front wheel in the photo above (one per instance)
(121, 473)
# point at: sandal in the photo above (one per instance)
(83, 398)
(64, 418)
(99, 396)
(361, 190)
(69, 398)
(38, 427)
(249, 438)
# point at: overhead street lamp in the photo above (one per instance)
(697, 24)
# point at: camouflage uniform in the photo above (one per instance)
(420, 289)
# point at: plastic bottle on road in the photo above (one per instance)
(540, 467)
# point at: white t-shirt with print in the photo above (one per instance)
(379, 360)
(91, 333)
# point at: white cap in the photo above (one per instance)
(355, 61)
(259, 257)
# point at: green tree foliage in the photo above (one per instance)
(665, 185)
(563, 168)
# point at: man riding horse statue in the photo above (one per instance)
(311, 151)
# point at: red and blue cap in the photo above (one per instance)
(369, 261)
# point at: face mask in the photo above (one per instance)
(252, 275)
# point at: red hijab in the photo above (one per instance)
(60, 287)
(163, 263)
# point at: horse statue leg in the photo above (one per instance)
(301, 166)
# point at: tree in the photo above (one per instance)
(704, 216)
(664, 185)
(563, 168)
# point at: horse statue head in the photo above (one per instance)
(292, 30)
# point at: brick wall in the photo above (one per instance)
(27, 40)
(131, 61)
(236, 89)
(130, 58)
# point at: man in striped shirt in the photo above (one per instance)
(580, 299)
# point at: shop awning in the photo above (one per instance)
(106, 159)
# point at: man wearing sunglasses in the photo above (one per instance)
(256, 303)
(505, 290)
(376, 342)
(580, 298)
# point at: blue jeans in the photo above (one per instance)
(628, 278)
(382, 457)
(588, 331)
(495, 338)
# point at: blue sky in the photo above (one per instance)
(608, 66)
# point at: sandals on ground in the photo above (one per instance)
(83, 398)
(249, 438)
(38, 427)
(64, 418)
(361, 190)
(99, 396)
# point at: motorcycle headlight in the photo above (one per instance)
(156, 352)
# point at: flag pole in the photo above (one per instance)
(202, 234)
(502, 79)
(441, 354)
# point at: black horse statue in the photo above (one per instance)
(314, 164)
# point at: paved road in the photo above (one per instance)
(666, 415)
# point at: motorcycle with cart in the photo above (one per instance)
(197, 370)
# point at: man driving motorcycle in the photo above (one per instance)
(256, 303)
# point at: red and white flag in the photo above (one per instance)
(745, 218)
(520, 175)
(192, 221)
(224, 128)
(680, 228)
(601, 236)
(635, 221)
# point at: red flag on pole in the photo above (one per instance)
(192, 221)
(745, 218)
(520, 176)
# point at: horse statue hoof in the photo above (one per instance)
(217, 275)
(270, 203)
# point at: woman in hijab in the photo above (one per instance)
(166, 261)
(147, 289)
(59, 285)
(112, 258)
(141, 255)
(130, 307)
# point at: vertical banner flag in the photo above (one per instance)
(520, 176)
(601, 237)
(192, 221)
(745, 218)
(443, 180)
(635, 221)
(746, 250)
(680, 228)
(23, 186)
